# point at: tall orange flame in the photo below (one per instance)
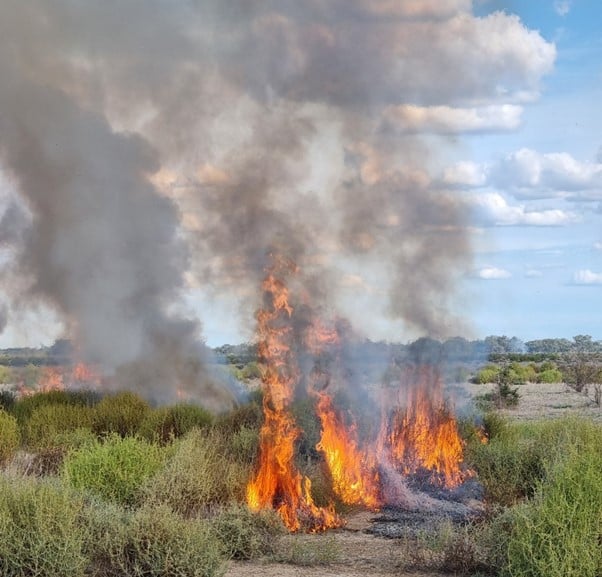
(354, 471)
(277, 482)
(422, 433)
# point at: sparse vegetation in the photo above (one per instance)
(9, 436)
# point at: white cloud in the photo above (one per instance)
(587, 277)
(465, 174)
(535, 174)
(449, 120)
(598, 245)
(493, 273)
(562, 7)
(492, 209)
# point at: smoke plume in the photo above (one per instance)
(156, 144)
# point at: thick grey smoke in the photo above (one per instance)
(150, 139)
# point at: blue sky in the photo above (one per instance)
(546, 281)
(485, 104)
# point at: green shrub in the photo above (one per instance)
(550, 376)
(558, 533)
(114, 469)
(47, 423)
(249, 415)
(150, 542)
(167, 423)
(25, 406)
(200, 473)
(40, 531)
(121, 413)
(9, 436)
(488, 374)
(247, 535)
(7, 400)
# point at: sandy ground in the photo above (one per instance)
(359, 554)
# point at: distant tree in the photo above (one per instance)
(549, 346)
(582, 365)
(504, 345)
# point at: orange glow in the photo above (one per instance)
(354, 472)
(83, 373)
(422, 434)
(277, 482)
(51, 380)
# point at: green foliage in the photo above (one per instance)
(150, 542)
(248, 415)
(25, 406)
(40, 532)
(47, 423)
(247, 535)
(488, 374)
(115, 469)
(558, 533)
(203, 471)
(121, 413)
(6, 375)
(9, 436)
(7, 400)
(167, 423)
(550, 376)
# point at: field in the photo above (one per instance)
(112, 486)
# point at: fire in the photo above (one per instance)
(51, 380)
(83, 373)
(277, 482)
(422, 433)
(354, 471)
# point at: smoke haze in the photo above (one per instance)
(154, 146)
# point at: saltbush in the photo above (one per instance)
(9, 436)
(150, 542)
(39, 524)
(247, 535)
(557, 534)
(201, 472)
(121, 413)
(114, 469)
(167, 423)
(47, 423)
(25, 406)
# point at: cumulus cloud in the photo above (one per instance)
(587, 277)
(534, 174)
(493, 273)
(492, 209)
(450, 120)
